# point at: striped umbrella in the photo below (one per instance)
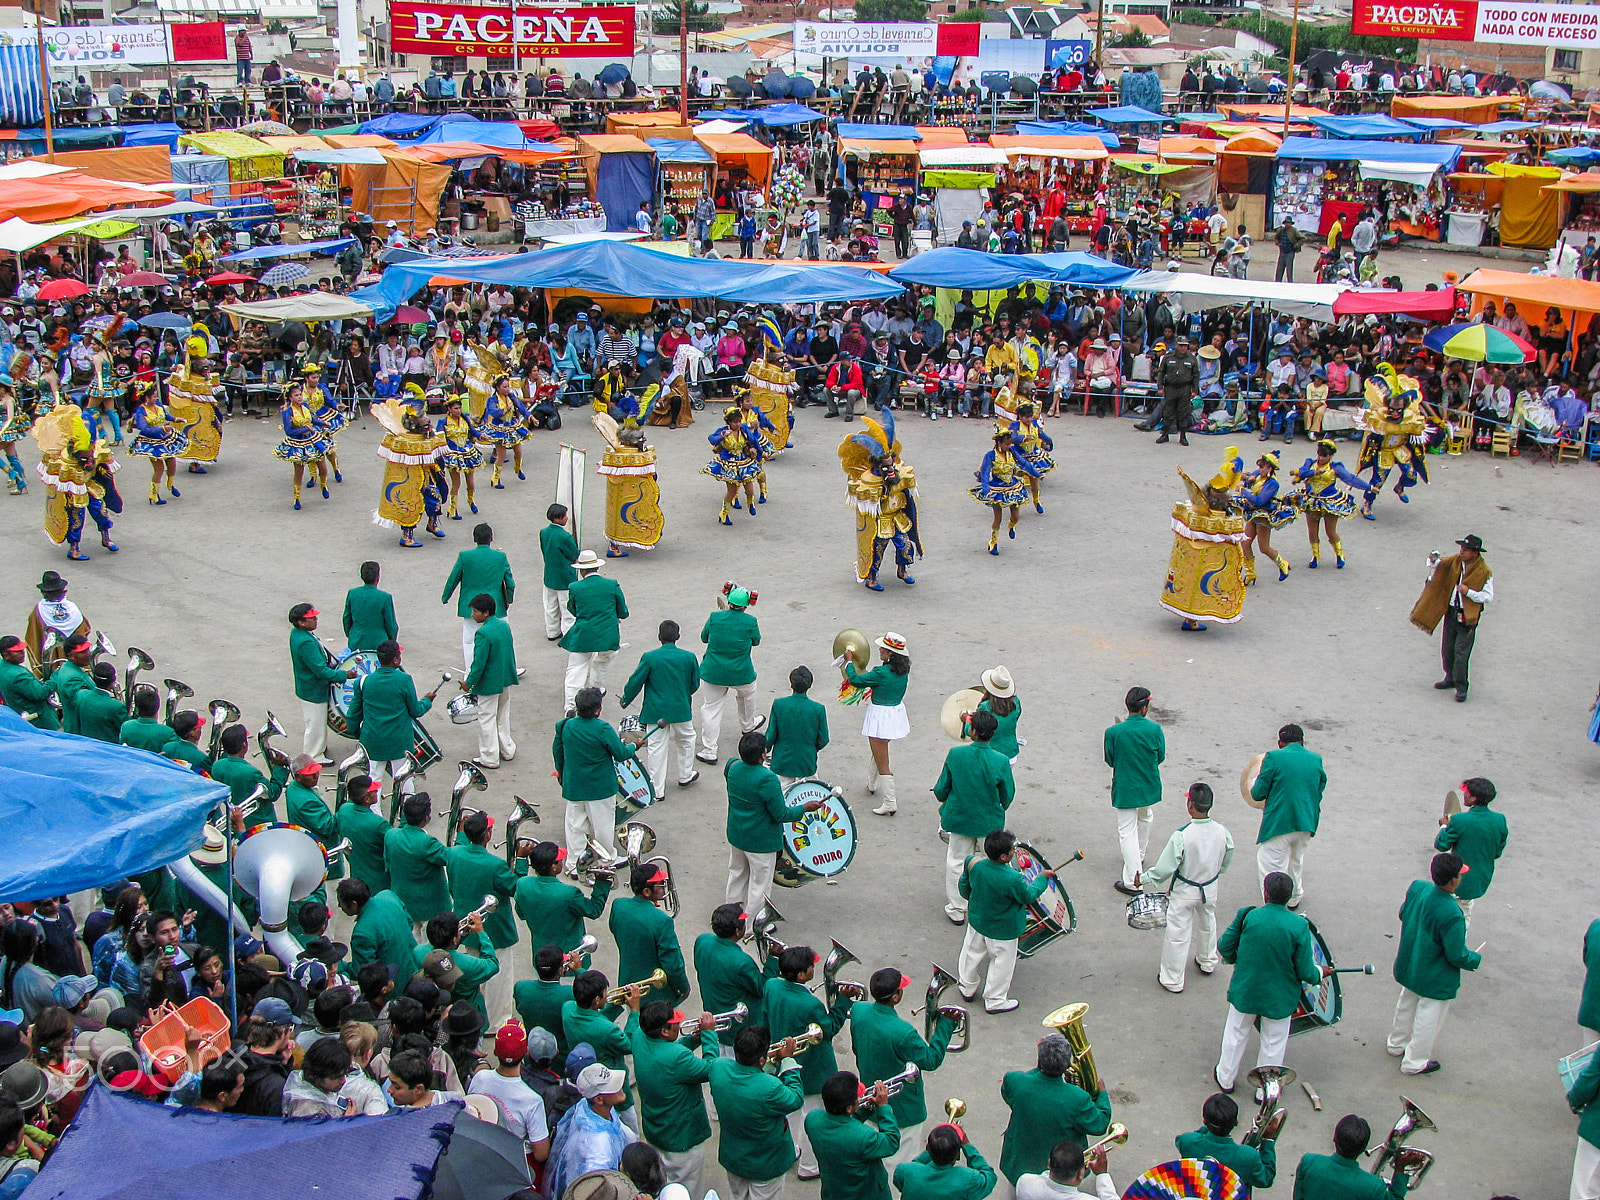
(284, 273)
(1479, 343)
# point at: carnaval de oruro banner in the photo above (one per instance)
(419, 27)
(1504, 22)
(76, 48)
(873, 39)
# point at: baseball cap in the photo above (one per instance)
(274, 1011)
(71, 990)
(11, 1047)
(441, 969)
(244, 946)
(541, 1044)
(579, 1057)
(597, 1079)
(511, 1041)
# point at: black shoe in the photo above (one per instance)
(1144, 427)
(1444, 685)
(1162, 438)
(1125, 889)
(1214, 1076)
(1433, 1063)
(1461, 695)
(1183, 439)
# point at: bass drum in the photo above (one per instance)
(425, 750)
(1322, 1004)
(634, 791)
(822, 843)
(342, 693)
(1051, 916)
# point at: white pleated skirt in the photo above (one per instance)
(886, 721)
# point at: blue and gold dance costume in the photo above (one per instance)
(735, 458)
(157, 436)
(330, 418)
(27, 406)
(1323, 497)
(105, 386)
(303, 440)
(504, 427)
(460, 452)
(1259, 501)
(768, 446)
(1033, 445)
(1396, 429)
(1002, 483)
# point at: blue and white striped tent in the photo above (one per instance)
(21, 100)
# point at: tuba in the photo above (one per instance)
(348, 769)
(656, 978)
(1270, 1081)
(332, 854)
(1068, 1022)
(1411, 1161)
(931, 1011)
(762, 927)
(811, 1035)
(223, 714)
(490, 903)
(274, 757)
(835, 987)
(636, 839)
(138, 661)
(595, 862)
(176, 690)
(103, 646)
(470, 779)
(720, 1022)
(522, 812)
(669, 904)
(408, 770)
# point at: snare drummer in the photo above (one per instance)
(382, 711)
(668, 677)
(1194, 859)
(998, 897)
(586, 751)
(757, 814)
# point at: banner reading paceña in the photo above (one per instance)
(422, 27)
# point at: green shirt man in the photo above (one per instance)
(850, 1149)
(415, 861)
(360, 821)
(382, 930)
(754, 1108)
(647, 939)
(1478, 835)
(924, 1179)
(1256, 1166)
(71, 677)
(1135, 748)
(1290, 788)
(668, 677)
(146, 733)
(671, 1078)
(553, 909)
(23, 691)
(475, 873)
(100, 715)
(1340, 1175)
(1046, 1109)
(241, 777)
(796, 731)
(369, 619)
(559, 550)
(725, 974)
(383, 709)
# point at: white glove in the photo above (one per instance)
(1477, 597)
(839, 662)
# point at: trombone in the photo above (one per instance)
(1068, 1022)
(954, 1109)
(1411, 1161)
(656, 978)
(1270, 1081)
(932, 1011)
(834, 987)
(720, 1022)
(223, 714)
(138, 661)
(808, 1037)
(176, 691)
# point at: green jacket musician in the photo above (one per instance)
(241, 777)
(1256, 1166)
(369, 619)
(474, 873)
(729, 636)
(1433, 942)
(1477, 834)
(646, 937)
(598, 607)
(1340, 1175)
(479, 570)
(585, 750)
(383, 708)
(935, 1174)
(382, 930)
(99, 713)
(852, 1139)
(754, 1106)
(539, 1001)
(668, 677)
(975, 789)
(144, 732)
(725, 974)
(884, 1043)
(1046, 1109)
(1270, 949)
(797, 729)
(553, 909)
(457, 964)
(559, 550)
(309, 810)
(415, 861)
(24, 692)
(1290, 786)
(757, 812)
(360, 822)
(671, 1079)
(1135, 748)
(790, 1007)
(998, 896)
(588, 1018)
(494, 659)
(313, 674)
(67, 681)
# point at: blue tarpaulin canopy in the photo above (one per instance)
(772, 115)
(1127, 114)
(1333, 150)
(82, 812)
(675, 150)
(397, 125)
(122, 1148)
(162, 133)
(1372, 125)
(1436, 123)
(880, 133)
(1574, 156)
(1505, 126)
(326, 246)
(619, 269)
(973, 270)
(1068, 129)
(456, 127)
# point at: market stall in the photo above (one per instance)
(204, 177)
(642, 124)
(741, 160)
(621, 173)
(686, 171)
(403, 189)
(1579, 197)
(883, 164)
(1474, 110)
(1578, 299)
(1530, 216)
(959, 177)
(1321, 179)
(248, 158)
(1036, 164)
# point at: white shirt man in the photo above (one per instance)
(1283, 371)
(1364, 236)
(521, 1109)
(1069, 1177)
(1194, 859)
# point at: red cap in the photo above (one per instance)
(511, 1040)
(561, 854)
(861, 1089)
(1465, 869)
(815, 958)
(76, 643)
(312, 613)
(905, 982)
(660, 876)
(677, 1018)
(200, 722)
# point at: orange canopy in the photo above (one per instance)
(67, 195)
(1059, 145)
(1543, 291)
(131, 164)
(1189, 146)
(739, 150)
(941, 135)
(1255, 142)
(640, 122)
(1275, 111)
(404, 190)
(346, 141)
(1475, 110)
(435, 152)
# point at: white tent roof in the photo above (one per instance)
(28, 169)
(311, 307)
(1417, 174)
(17, 235)
(963, 156)
(1310, 300)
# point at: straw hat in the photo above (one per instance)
(214, 851)
(1210, 352)
(588, 561)
(892, 642)
(998, 683)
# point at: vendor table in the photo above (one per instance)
(1465, 228)
(552, 228)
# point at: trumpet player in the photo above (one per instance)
(313, 675)
(474, 873)
(242, 777)
(672, 1101)
(24, 692)
(936, 1175)
(975, 790)
(1194, 859)
(884, 1043)
(757, 814)
(1069, 1169)
(1339, 1176)
(360, 823)
(144, 730)
(553, 909)
(1428, 964)
(789, 1008)
(755, 1147)
(1256, 1166)
(850, 1151)
(646, 937)
(1046, 1109)
(459, 959)
(725, 974)
(588, 1018)
(538, 1000)
(491, 677)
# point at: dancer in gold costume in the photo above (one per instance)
(1204, 580)
(883, 491)
(412, 485)
(78, 470)
(1396, 430)
(192, 396)
(633, 496)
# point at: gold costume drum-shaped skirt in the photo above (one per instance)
(407, 459)
(769, 394)
(193, 402)
(633, 499)
(1204, 577)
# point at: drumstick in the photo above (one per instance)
(1316, 1100)
(1366, 969)
(1479, 948)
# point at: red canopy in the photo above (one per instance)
(1435, 306)
(540, 129)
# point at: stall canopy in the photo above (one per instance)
(773, 116)
(880, 133)
(676, 150)
(1471, 109)
(1372, 125)
(1313, 301)
(326, 246)
(739, 149)
(1068, 129)
(1533, 292)
(1061, 146)
(1433, 306)
(248, 157)
(1335, 150)
(973, 270)
(621, 171)
(1127, 114)
(1574, 156)
(67, 194)
(309, 307)
(89, 812)
(403, 189)
(162, 133)
(122, 164)
(1436, 124)
(1530, 213)
(1574, 183)
(397, 125)
(974, 155)
(460, 128)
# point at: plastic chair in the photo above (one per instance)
(1501, 443)
(1460, 432)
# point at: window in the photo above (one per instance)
(1566, 60)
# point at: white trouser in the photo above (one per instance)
(1586, 1172)
(1466, 908)
(749, 879)
(797, 1131)
(910, 1146)
(1001, 956)
(1283, 853)
(679, 735)
(315, 741)
(591, 818)
(1416, 1026)
(497, 991)
(389, 767)
(712, 697)
(1133, 838)
(557, 620)
(1236, 1031)
(586, 669)
(494, 729)
(1187, 917)
(686, 1167)
(740, 1188)
(955, 858)
(469, 632)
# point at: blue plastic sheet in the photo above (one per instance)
(459, 128)
(974, 270)
(622, 182)
(80, 813)
(881, 133)
(1436, 123)
(326, 246)
(773, 115)
(162, 133)
(1332, 150)
(121, 1148)
(397, 125)
(1574, 156)
(1372, 125)
(680, 150)
(1127, 114)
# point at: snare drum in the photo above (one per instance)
(822, 843)
(634, 791)
(1148, 910)
(463, 709)
(425, 751)
(1322, 1004)
(340, 694)
(1051, 916)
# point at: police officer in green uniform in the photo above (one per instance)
(588, 1018)
(539, 1001)
(481, 569)
(382, 930)
(1135, 748)
(1256, 1166)
(647, 939)
(143, 731)
(757, 814)
(415, 861)
(310, 811)
(729, 636)
(185, 744)
(598, 607)
(71, 676)
(458, 963)
(755, 1147)
(1478, 835)
(884, 1043)
(789, 1007)
(314, 674)
(1340, 1175)
(559, 550)
(797, 731)
(726, 975)
(974, 790)
(369, 619)
(936, 1175)
(23, 691)
(242, 777)
(1045, 1109)
(850, 1150)
(668, 676)
(671, 1079)
(553, 909)
(585, 750)
(359, 820)
(382, 711)
(100, 714)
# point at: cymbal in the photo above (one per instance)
(1247, 779)
(853, 644)
(1452, 802)
(966, 700)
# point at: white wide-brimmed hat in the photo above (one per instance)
(891, 642)
(589, 561)
(997, 682)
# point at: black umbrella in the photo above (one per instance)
(801, 88)
(776, 83)
(612, 73)
(483, 1162)
(739, 87)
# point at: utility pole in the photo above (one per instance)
(683, 61)
(1294, 42)
(44, 82)
(1100, 35)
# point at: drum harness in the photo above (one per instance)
(1179, 877)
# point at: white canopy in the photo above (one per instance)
(17, 235)
(720, 125)
(310, 308)
(963, 156)
(31, 169)
(366, 156)
(1417, 174)
(1311, 300)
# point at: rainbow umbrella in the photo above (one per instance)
(1479, 343)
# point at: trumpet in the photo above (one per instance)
(138, 661)
(490, 903)
(954, 1109)
(762, 926)
(808, 1037)
(835, 987)
(175, 691)
(223, 714)
(274, 757)
(1411, 1161)
(522, 811)
(1116, 1135)
(932, 1011)
(331, 854)
(1270, 1120)
(895, 1084)
(619, 995)
(572, 961)
(1068, 1022)
(470, 778)
(720, 1022)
